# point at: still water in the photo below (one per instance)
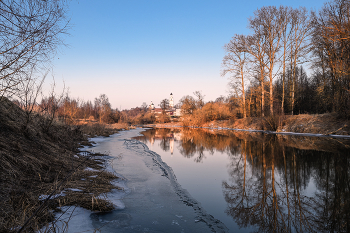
(255, 182)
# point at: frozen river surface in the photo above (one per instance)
(152, 200)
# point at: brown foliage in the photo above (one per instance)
(163, 118)
(211, 111)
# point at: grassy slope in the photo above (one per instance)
(319, 123)
(34, 160)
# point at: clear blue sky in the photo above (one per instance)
(137, 51)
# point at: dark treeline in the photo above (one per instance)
(267, 67)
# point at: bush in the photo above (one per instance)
(97, 129)
(149, 118)
(163, 118)
(273, 122)
(210, 112)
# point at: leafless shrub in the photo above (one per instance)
(50, 105)
(273, 122)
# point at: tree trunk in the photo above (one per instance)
(262, 94)
(243, 94)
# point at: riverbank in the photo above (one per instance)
(323, 124)
(42, 168)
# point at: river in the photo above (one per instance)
(224, 181)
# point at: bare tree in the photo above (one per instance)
(144, 106)
(29, 34)
(200, 99)
(286, 34)
(301, 27)
(50, 105)
(164, 105)
(235, 62)
(278, 35)
(268, 24)
(71, 107)
(255, 47)
(332, 51)
(28, 94)
(103, 108)
(188, 105)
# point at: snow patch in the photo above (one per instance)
(91, 169)
(44, 197)
(74, 190)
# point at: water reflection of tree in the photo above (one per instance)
(149, 135)
(196, 142)
(269, 181)
(164, 136)
(165, 144)
(332, 202)
(193, 143)
(267, 188)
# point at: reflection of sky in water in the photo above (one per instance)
(212, 169)
(202, 180)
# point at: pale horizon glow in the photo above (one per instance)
(141, 51)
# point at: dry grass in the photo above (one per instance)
(323, 124)
(35, 160)
(94, 129)
(165, 125)
(319, 124)
(119, 126)
(86, 189)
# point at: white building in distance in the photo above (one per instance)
(171, 111)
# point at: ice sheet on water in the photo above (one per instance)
(83, 151)
(116, 195)
(120, 183)
(97, 139)
(175, 222)
(76, 219)
(74, 190)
